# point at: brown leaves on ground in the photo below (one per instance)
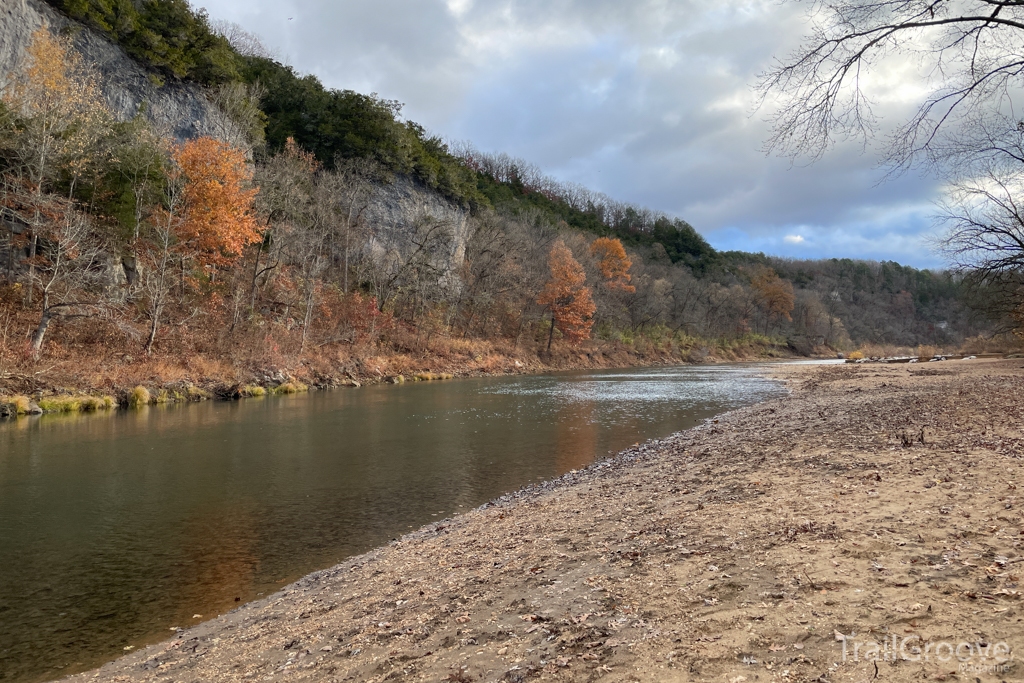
(754, 548)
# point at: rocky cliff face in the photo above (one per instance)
(403, 216)
(175, 109)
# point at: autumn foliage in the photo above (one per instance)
(567, 296)
(217, 200)
(774, 294)
(613, 263)
(59, 103)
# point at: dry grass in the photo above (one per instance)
(290, 388)
(21, 404)
(886, 351)
(75, 403)
(1004, 343)
(15, 405)
(194, 393)
(139, 396)
(431, 376)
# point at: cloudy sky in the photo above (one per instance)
(648, 101)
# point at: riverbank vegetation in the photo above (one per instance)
(131, 260)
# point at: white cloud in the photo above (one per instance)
(793, 239)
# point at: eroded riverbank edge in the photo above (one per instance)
(102, 384)
(739, 548)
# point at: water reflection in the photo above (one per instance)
(220, 557)
(575, 435)
(115, 527)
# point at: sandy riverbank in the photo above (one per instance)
(875, 502)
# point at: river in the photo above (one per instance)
(115, 528)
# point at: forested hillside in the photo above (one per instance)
(259, 251)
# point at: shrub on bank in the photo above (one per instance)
(21, 405)
(139, 396)
(290, 388)
(13, 406)
(194, 393)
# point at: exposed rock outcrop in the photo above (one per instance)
(403, 215)
(177, 109)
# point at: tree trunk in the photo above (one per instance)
(551, 332)
(345, 285)
(31, 269)
(154, 324)
(255, 276)
(10, 256)
(40, 333)
(307, 319)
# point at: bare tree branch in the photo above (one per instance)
(971, 54)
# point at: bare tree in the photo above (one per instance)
(139, 158)
(985, 243)
(246, 43)
(68, 269)
(970, 53)
(243, 122)
(287, 186)
(158, 258)
(970, 60)
(56, 110)
(987, 217)
(348, 190)
(413, 264)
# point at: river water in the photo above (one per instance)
(116, 528)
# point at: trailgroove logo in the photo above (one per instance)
(976, 658)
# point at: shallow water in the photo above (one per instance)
(115, 528)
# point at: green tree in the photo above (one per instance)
(166, 35)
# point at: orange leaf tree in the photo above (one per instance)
(567, 296)
(207, 218)
(774, 294)
(217, 217)
(613, 263)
